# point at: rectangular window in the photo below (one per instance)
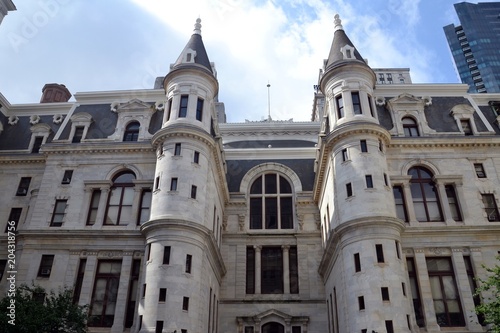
(399, 200)
(193, 191)
(369, 181)
(398, 252)
(386, 182)
(58, 214)
(389, 328)
(173, 184)
(490, 207)
(361, 302)
(145, 206)
(68, 174)
(132, 292)
(177, 150)
(188, 263)
(162, 296)
(345, 157)
(296, 329)
(199, 109)
(79, 280)
(403, 288)
(183, 106)
(340, 106)
(249, 329)
(466, 126)
(196, 157)
(143, 290)
(478, 167)
(184, 331)
(185, 303)
(166, 255)
(445, 293)
(370, 104)
(250, 272)
(159, 326)
(37, 145)
(157, 183)
(415, 292)
(24, 184)
(348, 188)
(385, 293)
(45, 265)
(364, 147)
(169, 111)
(271, 270)
(78, 135)
(357, 262)
(453, 202)
(94, 205)
(356, 103)
(15, 215)
(380, 146)
(294, 270)
(380, 253)
(473, 287)
(148, 250)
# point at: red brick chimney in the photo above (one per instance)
(54, 93)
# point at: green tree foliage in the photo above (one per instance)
(489, 289)
(42, 312)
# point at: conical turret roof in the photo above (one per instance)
(194, 52)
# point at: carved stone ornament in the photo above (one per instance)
(241, 222)
(114, 106)
(160, 106)
(380, 101)
(13, 120)
(34, 119)
(57, 118)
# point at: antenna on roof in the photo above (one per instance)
(268, 101)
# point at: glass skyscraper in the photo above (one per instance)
(475, 45)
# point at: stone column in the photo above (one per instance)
(103, 200)
(72, 268)
(121, 298)
(135, 207)
(410, 210)
(257, 268)
(464, 290)
(88, 278)
(286, 269)
(426, 292)
(443, 198)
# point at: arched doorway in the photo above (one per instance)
(273, 327)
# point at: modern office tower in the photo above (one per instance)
(374, 216)
(474, 45)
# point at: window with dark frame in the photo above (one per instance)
(398, 251)
(386, 181)
(3, 264)
(345, 157)
(185, 303)
(370, 104)
(473, 286)
(425, 195)
(144, 290)
(14, 215)
(369, 181)
(361, 302)
(159, 326)
(162, 296)
(340, 106)
(173, 184)
(169, 111)
(177, 149)
(45, 265)
(490, 207)
(196, 157)
(399, 200)
(79, 281)
(445, 294)
(466, 126)
(250, 270)
(68, 175)
(189, 258)
(199, 109)
(403, 288)
(356, 103)
(24, 184)
(410, 127)
(348, 188)
(478, 167)
(58, 213)
(389, 327)
(132, 293)
(453, 202)
(94, 206)
(385, 293)
(415, 292)
(183, 106)
(166, 255)
(144, 206)
(78, 135)
(296, 329)
(364, 146)
(120, 199)
(271, 203)
(380, 253)
(131, 132)
(294, 270)
(357, 262)
(37, 144)
(193, 191)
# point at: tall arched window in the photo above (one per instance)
(273, 327)
(271, 203)
(131, 131)
(120, 200)
(424, 194)
(410, 127)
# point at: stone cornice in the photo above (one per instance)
(108, 147)
(21, 158)
(121, 96)
(270, 153)
(445, 142)
(418, 89)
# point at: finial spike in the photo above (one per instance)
(197, 26)
(338, 22)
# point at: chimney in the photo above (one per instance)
(54, 93)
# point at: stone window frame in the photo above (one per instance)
(39, 130)
(81, 119)
(133, 110)
(408, 105)
(464, 112)
(269, 316)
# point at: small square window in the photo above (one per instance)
(385, 293)
(369, 181)
(348, 188)
(24, 184)
(196, 157)
(173, 184)
(177, 151)
(361, 302)
(364, 147)
(193, 191)
(162, 295)
(45, 265)
(185, 303)
(166, 255)
(479, 170)
(68, 174)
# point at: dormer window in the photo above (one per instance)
(410, 127)
(131, 132)
(348, 52)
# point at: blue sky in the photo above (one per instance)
(92, 45)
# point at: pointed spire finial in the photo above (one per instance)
(197, 26)
(338, 23)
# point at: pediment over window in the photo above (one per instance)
(409, 106)
(132, 105)
(134, 110)
(272, 315)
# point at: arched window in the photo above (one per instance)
(120, 200)
(410, 127)
(271, 203)
(131, 131)
(424, 194)
(273, 327)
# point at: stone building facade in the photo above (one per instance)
(375, 216)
